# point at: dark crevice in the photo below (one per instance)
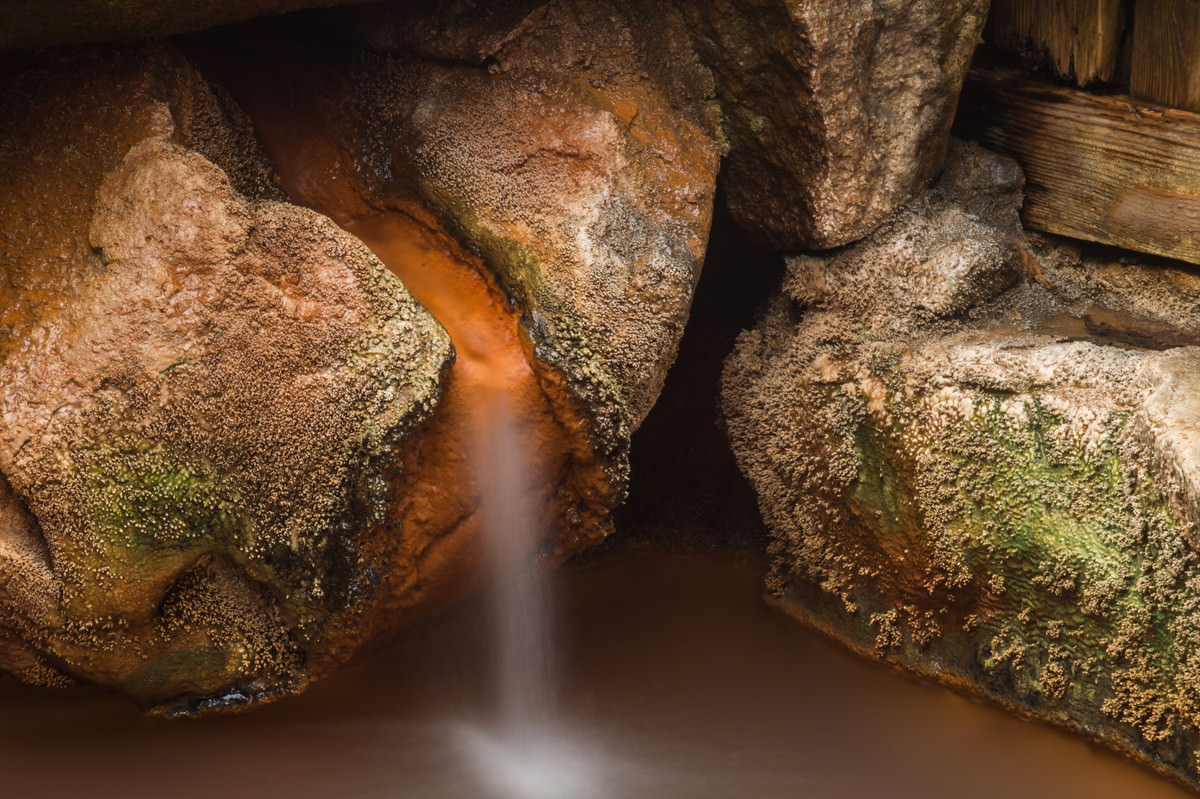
(685, 486)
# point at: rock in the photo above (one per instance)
(961, 480)
(202, 391)
(236, 450)
(837, 113)
(41, 23)
(576, 148)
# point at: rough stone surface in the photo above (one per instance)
(200, 391)
(575, 146)
(1134, 298)
(837, 113)
(961, 479)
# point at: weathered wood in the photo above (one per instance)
(1078, 39)
(1166, 53)
(1107, 169)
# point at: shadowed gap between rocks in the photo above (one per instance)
(685, 486)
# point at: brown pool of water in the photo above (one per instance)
(675, 676)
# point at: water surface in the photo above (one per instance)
(676, 683)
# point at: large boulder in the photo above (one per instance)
(582, 161)
(201, 391)
(837, 113)
(965, 477)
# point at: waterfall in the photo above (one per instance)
(519, 600)
(524, 750)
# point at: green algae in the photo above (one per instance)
(880, 488)
(150, 501)
(1066, 561)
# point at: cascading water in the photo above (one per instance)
(525, 687)
(523, 750)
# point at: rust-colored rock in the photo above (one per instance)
(576, 145)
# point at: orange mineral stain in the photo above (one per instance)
(430, 541)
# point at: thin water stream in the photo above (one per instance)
(525, 749)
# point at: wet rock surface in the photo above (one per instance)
(200, 392)
(962, 480)
(575, 145)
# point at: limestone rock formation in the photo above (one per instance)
(235, 448)
(837, 113)
(966, 477)
(200, 391)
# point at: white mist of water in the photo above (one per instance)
(524, 752)
(518, 596)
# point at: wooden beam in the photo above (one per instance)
(1110, 169)
(1077, 39)
(1166, 53)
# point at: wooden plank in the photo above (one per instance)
(1109, 169)
(1166, 53)
(1077, 39)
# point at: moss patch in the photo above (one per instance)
(149, 501)
(1059, 565)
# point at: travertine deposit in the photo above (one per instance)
(235, 447)
(966, 476)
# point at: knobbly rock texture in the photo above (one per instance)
(575, 146)
(212, 490)
(963, 480)
(201, 389)
(43, 23)
(837, 113)
(833, 114)
(1123, 295)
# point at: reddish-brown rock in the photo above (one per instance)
(576, 145)
(200, 392)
